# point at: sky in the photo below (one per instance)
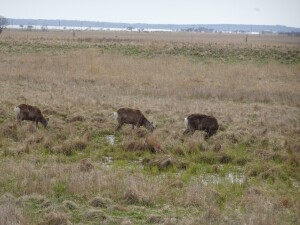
(259, 12)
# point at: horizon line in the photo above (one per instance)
(184, 24)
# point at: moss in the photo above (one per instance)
(59, 188)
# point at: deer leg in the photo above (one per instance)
(211, 132)
(36, 123)
(138, 124)
(187, 131)
(119, 126)
(19, 120)
(206, 136)
(132, 126)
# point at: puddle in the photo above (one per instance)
(295, 183)
(215, 179)
(235, 178)
(110, 139)
(108, 159)
(106, 162)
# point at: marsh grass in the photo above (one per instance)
(70, 173)
(10, 214)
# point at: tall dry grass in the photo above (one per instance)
(257, 106)
(9, 212)
(266, 39)
(95, 78)
(117, 185)
(254, 97)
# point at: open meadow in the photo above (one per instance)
(80, 171)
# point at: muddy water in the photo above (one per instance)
(110, 139)
(233, 178)
(206, 179)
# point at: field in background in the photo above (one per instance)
(248, 173)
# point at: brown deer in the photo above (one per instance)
(194, 122)
(134, 117)
(31, 113)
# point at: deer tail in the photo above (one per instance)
(186, 121)
(17, 110)
(116, 115)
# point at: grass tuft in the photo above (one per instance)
(54, 218)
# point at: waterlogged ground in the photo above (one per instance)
(206, 179)
(110, 139)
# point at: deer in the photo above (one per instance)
(134, 117)
(194, 122)
(31, 113)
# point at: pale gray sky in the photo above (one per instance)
(268, 12)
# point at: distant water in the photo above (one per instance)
(39, 27)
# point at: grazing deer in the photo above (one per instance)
(31, 113)
(134, 117)
(194, 122)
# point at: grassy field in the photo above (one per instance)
(80, 171)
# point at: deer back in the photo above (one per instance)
(127, 115)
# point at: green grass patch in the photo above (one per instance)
(197, 52)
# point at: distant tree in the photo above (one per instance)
(189, 29)
(44, 28)
(129, 28)
(3, 23)
(29, 27)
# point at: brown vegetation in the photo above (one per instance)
(73, 173)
